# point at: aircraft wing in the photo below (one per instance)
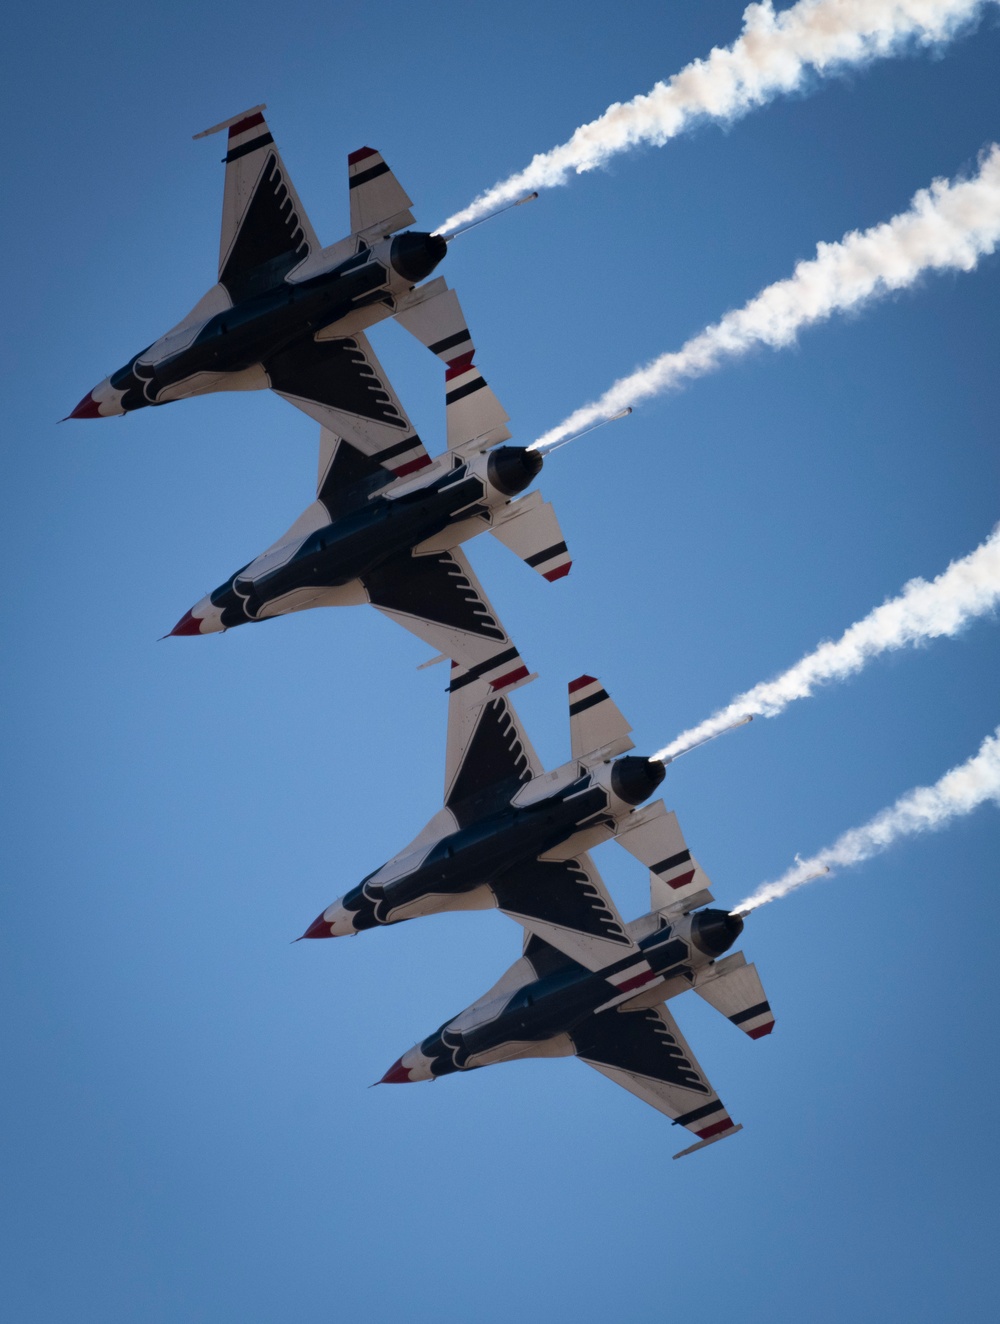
(566, 904)
(341, 384)
(346, 477)
(645, 1052)
(487, 747)
(438, 598)
(265, 230)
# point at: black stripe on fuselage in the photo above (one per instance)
(251, 146)
(460, 392)
(481, 669)
(365, 175)
(449, 342)
(556, 549)
(664, 866)
(584, 704)
(750, 1013)
(696, 1114)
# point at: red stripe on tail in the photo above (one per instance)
(250, 122)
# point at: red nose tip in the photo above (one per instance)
(396, 1075)
(87, 408)
(187, 624)
(319, 928)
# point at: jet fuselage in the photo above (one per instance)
(516, 1024)
(350, 547)
(497, 841)
(378, 529)
(266, 321)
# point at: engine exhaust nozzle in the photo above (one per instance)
(415, 254)
(634, 779)
(511, 468)
(714, 931)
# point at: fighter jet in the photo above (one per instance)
(290, 315)
(612, 1016)
(395, 542)
(513, 836)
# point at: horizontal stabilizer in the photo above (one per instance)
(379, 205)
(597, 729)
(686, 904)
(654, 837)
(473, 412)
(530, 529)
(734, 988)
(434, 316)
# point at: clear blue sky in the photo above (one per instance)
(187, 1129)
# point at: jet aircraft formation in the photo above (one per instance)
(386, 527)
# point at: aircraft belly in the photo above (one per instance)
(454, 534)
(351, 594)
(205, 383)
(579, 842)
(559, 1045)
(438, 903)
(359, 319)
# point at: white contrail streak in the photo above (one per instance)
(967, 589)
(774, 54)
(950, 225)
(922, 810)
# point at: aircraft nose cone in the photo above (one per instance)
(397, 1074)
(87, 408)
(715, 931)
(319, 928)
(634, 779)
(203, 618)
(415, 254)
(188, 624)
(511, 468)
(102, 402)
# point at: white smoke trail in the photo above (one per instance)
(922, 810)
(773, 55)
(969, 588)
(948, 226)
